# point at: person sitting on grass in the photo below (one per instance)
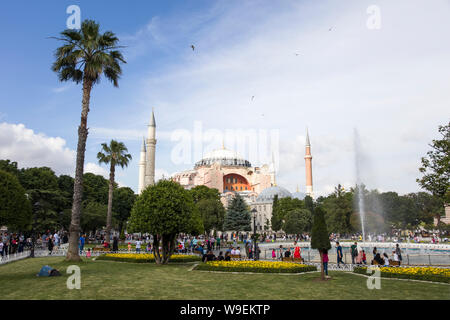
(386, 260)
(287, 254)
(227, 256)
(233, 251)
(378, 259)
(220, 257)
(210, 256)
(238, 251)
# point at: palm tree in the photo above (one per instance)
(83, 58)
(114, 154)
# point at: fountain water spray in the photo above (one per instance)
(359, 184)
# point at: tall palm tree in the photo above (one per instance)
(115, 155)
(84, 57)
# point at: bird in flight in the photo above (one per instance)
(330, 29)
(297, 54)
(192, 46)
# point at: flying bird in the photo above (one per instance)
(192, 46)
(297, 54)
(330, 29)
(253, 97)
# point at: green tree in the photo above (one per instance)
(65, 185)
(93, 216)
(15, 209)
(124, 199)
(276, 219)
(195, 224)
(48, 208)
(163, 210)
(297, 221)
(212, 214)
(95, 188)
(42, 178)
(436, 168)
(114, 154)
(84, 57)
(237, 217)
(320, 238)
(338, 207)
(203, 192)
(11, 167)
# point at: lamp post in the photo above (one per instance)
(254, 211)
(33, 232)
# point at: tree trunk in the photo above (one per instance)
(110, 198)
(74, 229)
(322, 273)
(156, 249)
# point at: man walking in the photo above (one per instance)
(339, 254)
(354, 251)
(82, 240)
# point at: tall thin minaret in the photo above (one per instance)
(150, 153)
(308, 166)
(142, 168)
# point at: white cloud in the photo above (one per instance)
(96, 169)
(30, 149)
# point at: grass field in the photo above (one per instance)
(118, 280)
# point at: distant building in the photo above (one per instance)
(229, 173)
(446, 218)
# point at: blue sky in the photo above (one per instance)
(390, 83)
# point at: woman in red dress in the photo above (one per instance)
(297, 251)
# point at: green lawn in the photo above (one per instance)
(116, 280)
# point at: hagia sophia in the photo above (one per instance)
(228, 172)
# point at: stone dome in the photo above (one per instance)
(269, 193)
(224, 157)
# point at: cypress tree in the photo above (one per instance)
(320, 238)
(238, 216)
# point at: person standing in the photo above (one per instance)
(399, 254)
(115, 246)
(138, 245)
(50, 245)
(218, 243)
(339, 254)
(297, 251)
(354, 252)
(325, 262)
(82, 240)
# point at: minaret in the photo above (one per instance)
(273, 173)
(308, 166)
(142, 168)
(150, 152)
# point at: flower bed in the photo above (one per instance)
(414, 273)
(255, 266)
(146, 257)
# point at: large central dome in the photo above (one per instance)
(224, 157)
